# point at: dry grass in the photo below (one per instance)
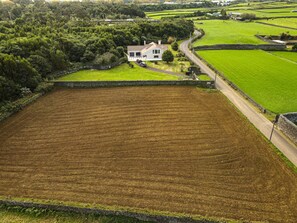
(175, 149)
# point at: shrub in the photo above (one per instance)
(294, 48)
(44, 87)
(167, 56)
(174, 46)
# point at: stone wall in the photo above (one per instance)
(242, 47)
(86, 67)
(94, 84)
(286, 124)
(140, 216)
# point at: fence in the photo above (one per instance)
(94, 84)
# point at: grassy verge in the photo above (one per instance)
(16, 214)
(35, 213)
(204, 77)
(121, 73)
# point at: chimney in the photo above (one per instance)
(159, 42)
(144, 42)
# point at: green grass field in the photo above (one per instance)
(232, 32)
(122, 72)
(264, 13)
(268, 79)
(291, 56)
(171, 13)
(289, 22)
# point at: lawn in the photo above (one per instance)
(268, 79)
(174, 66)
(235, 32)
(289, 22)
(122, 72)
(292, 56)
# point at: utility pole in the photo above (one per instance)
(274, 122)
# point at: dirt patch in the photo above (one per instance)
(176, 149)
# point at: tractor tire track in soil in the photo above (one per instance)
(176, 149)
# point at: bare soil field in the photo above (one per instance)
(171, 149)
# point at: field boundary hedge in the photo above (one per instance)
(286, 124)
(235, 87)
(94, 84)
(278, 47)
(21, 103)
(80, 210)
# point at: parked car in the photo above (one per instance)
(142, 64)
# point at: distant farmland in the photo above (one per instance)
(267, 78)
(166, 150)
(289, 22)
(223, 32)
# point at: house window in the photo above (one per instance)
(156, 51)
(156, 56)
(131, 54)
(138, 54)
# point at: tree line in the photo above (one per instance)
(36, 44)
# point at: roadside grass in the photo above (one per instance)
(292, 56)
(119, 73)
(16, 214)
(266, 78)
(204, 77)
(235, 32)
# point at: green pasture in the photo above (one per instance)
(268, 79)
(291, 56)
(263, 13)
(121, 73)
(289, 22)
(171, 13)
(236, 32)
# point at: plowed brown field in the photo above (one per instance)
(176, 149)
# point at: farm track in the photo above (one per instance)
(176, 149)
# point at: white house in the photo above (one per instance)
(149, 52)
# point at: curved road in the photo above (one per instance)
(255, 117)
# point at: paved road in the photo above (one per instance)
(259, 121)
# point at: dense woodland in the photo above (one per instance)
(39, 39)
